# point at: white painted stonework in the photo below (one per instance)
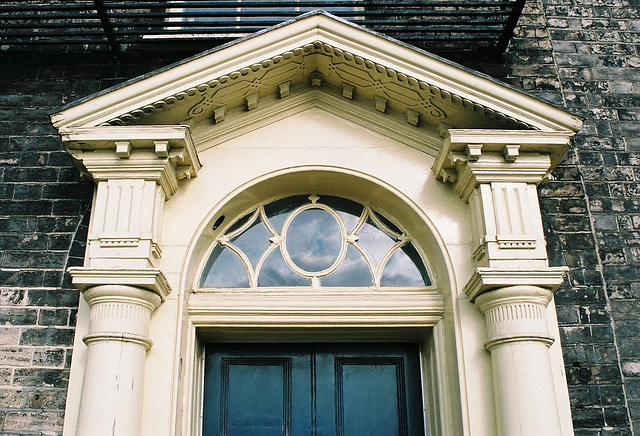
(317, 106)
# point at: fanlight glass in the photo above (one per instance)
(313, 241)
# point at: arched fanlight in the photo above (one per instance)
(313, 241)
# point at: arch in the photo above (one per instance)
(432, 325)
(312, 130)
(328, 180)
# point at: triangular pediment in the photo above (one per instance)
(316, 55)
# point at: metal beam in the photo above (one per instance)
(106, 26)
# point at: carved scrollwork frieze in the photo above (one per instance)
(418, 100)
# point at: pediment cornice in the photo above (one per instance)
(318, 51)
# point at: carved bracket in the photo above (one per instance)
(506, 223)
(470, 157)
(165, 154)
(496, 172)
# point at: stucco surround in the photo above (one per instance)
(346, 113)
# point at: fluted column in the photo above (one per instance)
(117, 342)
(518, 339)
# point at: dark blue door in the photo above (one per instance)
(312, 389)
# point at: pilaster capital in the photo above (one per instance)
(145, 279)
(511, 295)
(120, 313)
(489, 279)
(165, 154)
(470, 157)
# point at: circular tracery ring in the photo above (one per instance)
(289, 230)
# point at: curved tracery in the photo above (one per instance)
(313, 241)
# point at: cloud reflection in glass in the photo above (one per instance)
(314, 241)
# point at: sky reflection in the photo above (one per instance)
(224, 270)
(275, 272)
(375, 242)
(400, 270)
(253, 241)
(352, 272)
(314, 240)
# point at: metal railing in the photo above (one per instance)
(437, 25)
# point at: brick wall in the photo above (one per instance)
(595, 47)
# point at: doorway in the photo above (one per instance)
(312, 389)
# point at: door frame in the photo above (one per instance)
(435, 398)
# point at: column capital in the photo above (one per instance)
(518, 339)
(148, 279)
(121, 302)
(470, 157)
(516, 314)
(489, 279)
(513, 295)
(164, 154)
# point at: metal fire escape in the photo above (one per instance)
(440, 26)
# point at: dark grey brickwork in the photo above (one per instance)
(595, 47)
(41, 207)
(579, 54)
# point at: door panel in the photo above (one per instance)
(360, 386)
(253, 389)
(312, 389)
(257, 397)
